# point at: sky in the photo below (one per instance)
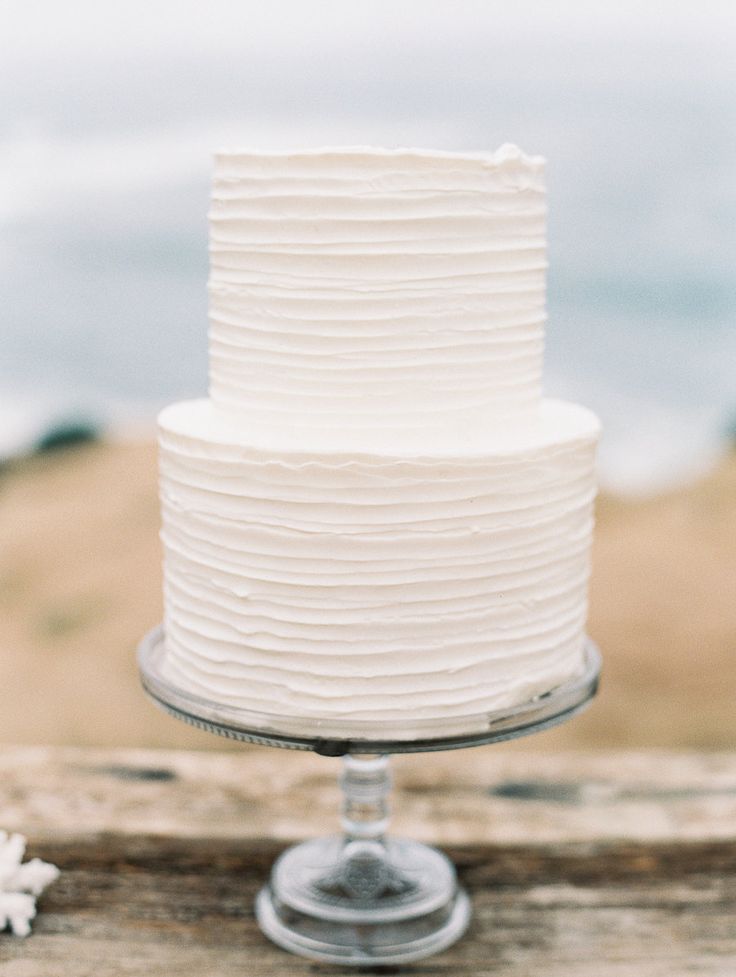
(47, 27)
(109, 113)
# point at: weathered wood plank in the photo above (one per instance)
(578, 865)
(141, 908)
(486, 795)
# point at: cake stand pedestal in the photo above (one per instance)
(362, 898)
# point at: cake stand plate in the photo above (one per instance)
(333, 737)
(361, 898)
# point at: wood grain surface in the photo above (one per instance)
(577, 863)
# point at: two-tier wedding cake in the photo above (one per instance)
(376, 515)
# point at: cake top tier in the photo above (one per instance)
(507, 161)
(377, 289)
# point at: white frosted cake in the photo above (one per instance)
(376, 515)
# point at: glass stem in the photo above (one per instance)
(366, 785)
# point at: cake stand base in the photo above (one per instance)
(363, 903)
(360, 898)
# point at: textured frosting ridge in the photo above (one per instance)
(392, 288)
(376, 516)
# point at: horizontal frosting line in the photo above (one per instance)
(365, 388)
(516, 594)
(384, 710)
(366, 385)
(276, 397)
(251, 319)
(249, 659)
(415, 525)
(293, 650)
(379, 334)
(279, 334)
(246, 307)
(358, 417)
(290, 701)
(285, 487)
(243, 500)
(236, 497)
(492, 333)
(384, 486)
(333, 204)
(499, 457)
(505, 346)
(272, 545)
(285, 198)
(540, 464)
(435, 250)
(458, 292)
(453, 231)
(282, 191)
(522, 588)
(456, 560)
(458, 687)
(290, 546)
(509, 351)
(372, 556)
(493, 249)
(284, 195)
(436, 268)
(353, 579)
(465, 216)
(449, 593)
(390, 267)
(381, 496)
(362, 594)
(407, 527)
(483, 646)
(503, 377)
(512, 297)
(399, 689)
(562, 588)
(374, 169)
(341, 353)
(498, 370)
(412, 219)
(378, 521)
(334, 408)
(502, 580)
(497, 251)
(532, 517)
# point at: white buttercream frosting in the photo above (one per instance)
(394, 287)
(376, 516)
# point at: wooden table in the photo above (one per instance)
(578, 864)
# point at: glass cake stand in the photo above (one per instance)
(361, 898)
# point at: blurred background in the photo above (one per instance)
(109, 114)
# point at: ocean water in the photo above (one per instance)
(104, 182)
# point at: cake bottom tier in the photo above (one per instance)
(375, 586)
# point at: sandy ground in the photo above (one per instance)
(80, 583)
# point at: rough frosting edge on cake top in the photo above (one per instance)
(507, 157)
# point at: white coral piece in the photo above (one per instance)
(20, 884)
